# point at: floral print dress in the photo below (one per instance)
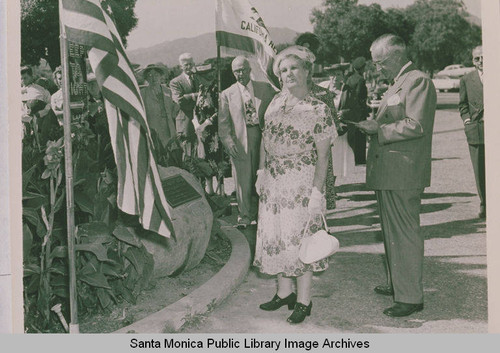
(289, 139)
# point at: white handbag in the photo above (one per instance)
(318, 246)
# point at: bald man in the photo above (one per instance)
(241, 118)
(472, 111)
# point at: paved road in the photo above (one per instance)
(343, 299)
(447, 100)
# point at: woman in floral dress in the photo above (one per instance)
(296, 138)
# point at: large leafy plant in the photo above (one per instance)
(111, 262)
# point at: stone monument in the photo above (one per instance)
(192, 219)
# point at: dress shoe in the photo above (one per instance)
(403, 309)
(384, 289)
(277, 302)
(242, 223)
(300, 311)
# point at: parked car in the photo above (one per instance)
(444, 83)
(455, 71)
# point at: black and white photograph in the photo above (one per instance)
(249, 167)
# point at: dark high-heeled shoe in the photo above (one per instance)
(277, 302)
(299, 313)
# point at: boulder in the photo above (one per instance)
(192, 223)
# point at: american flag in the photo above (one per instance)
(139, 186)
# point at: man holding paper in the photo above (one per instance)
(399, 168)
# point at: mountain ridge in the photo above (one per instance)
(202, 47)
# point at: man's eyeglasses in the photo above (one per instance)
(477, 58)
(380, 62)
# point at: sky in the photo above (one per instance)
(165, 20)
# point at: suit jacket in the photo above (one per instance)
(181, 89)
(353, 98)
(399, 155)
(232, 122)
(471, 107)
(160, 112)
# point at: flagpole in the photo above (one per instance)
(68, 164)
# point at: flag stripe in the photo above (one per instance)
(82, 37)
(140, 191)
(84, 7)
(236, 41)
(118, 100)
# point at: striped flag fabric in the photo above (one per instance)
(241, 31)
(140, 190)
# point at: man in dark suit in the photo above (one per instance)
(185, 92)
(399, 168)
(472, 111)
(241, 115)
(353, 107)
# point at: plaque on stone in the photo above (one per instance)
(178, 191)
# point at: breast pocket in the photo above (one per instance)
(395, 112)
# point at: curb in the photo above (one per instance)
(204, 298)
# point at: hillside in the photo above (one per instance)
(202, 47)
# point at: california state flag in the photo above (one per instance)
(241, 31)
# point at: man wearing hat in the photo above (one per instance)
(161, 110)
(353, 107)
(241, 113)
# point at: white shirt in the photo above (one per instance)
(244, 90)
(480, 75)
(188, 78)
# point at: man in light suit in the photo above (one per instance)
(472, 111)
(185, 92)
(241, 118)
(399, 168)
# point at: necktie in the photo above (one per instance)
(194, 85)
(249, 107)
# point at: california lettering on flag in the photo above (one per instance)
(140, 190)
(241, 31)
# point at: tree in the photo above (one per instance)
(438, 32)
(442, 34)
(346, 29)
(40, 27)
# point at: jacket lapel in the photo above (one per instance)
(396, 87)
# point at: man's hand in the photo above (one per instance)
(233, 151)
(26, 118)
(467, 121)
(369, 127)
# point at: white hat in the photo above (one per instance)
(302, 52)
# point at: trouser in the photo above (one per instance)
(399, 212)
(359, 147)
(478, 164)
(245, 174)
